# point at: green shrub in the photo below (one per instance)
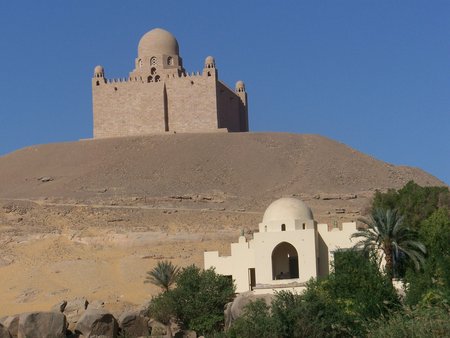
(201, 296)
(358, 283)
(162, 308)
(337, 306)
(255, 321)
(197, 302)
(435, 276)
(411, 323)
(416, 203)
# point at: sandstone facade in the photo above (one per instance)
(160, 96)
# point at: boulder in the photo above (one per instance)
(234, 309)
(42, 324)
(73, 310)
(96, 304)
(4, 333)
(134, 325)
(186, 334)
(60, 307)
(11, 323)
(97, 322)
(159, 329)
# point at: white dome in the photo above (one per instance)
(287, 209)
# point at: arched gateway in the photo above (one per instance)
(284, 261)
(289, 249)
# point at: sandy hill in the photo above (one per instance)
(243, 165)
(89, 218)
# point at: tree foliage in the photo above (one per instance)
(426, 210)
(201, 296)
(413, 323)
(162, 308)
(163, 275)
(197, 302)
(337, 306)
(434, 280)
(386, 232)
(255, 321)
(354, 273)
(416, 203)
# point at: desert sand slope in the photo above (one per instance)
(240, 164)
(89, 218)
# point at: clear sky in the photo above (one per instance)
(374, 75)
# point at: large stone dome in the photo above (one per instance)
(156, 42)
(287, 209)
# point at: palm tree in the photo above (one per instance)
(386, 232)
(163, 275)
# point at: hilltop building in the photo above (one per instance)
(160, 96)
(289, 249)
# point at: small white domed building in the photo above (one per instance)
(289, 249)
(160, 96)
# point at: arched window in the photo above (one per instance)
(140, 63)
(170, 61)
(153, 71)
(150, 79)
(98, 83)
(153, 61)
(157, 78)
(283, 227)
(284, 261)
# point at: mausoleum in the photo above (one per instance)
(160, 96)
(289, 249)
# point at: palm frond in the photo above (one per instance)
(387, 232)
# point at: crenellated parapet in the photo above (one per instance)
(159, 95)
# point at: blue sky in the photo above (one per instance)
(374, 75)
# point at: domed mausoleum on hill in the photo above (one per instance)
(289, 249)
(160, 96)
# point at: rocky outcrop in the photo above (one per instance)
(87, 320)
(4, 333)
(97, 322)
(11, 323)
(160, 330)
(72, 309)
(42, 324)
(134, 325)
(234, 309)
(186, 334)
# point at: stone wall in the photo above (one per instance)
(128, 108)
(192, 103)
(229, 108)
(187, 103)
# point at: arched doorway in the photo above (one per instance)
(284, 261)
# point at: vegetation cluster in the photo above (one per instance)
(408, 230)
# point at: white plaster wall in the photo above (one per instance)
(297, 289)
(242, 258)
(336, 239)
(257, 253)
(304, 243)
(275, 226)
